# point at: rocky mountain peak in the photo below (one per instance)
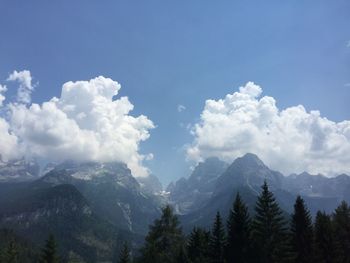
(249, 160)
(247, 171)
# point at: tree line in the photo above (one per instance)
(267, 237)
(13, 252)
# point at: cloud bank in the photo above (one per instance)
(85, 123)
(289, 140)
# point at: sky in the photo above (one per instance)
(176, 61)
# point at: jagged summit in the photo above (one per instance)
(189, 193)
(248, 171)
(249, 160)
(210, 168)
(92, 170)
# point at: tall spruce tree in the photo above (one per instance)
(49, 252)
(324, 239)
(10, 253)
(217, 241)
(238, 247)
(301, 233)
(341, 224)
(182, 256)
(198, 245)
(124, 255)
(164, 242)
(269, 230)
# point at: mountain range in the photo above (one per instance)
(245, 175)
(18, 170)
(88, 206)
(91, 206)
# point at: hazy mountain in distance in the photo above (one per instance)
(150, 184)
(113, 193)
(248, 171)
(319, 186)
(246, 175)
(18, 170)
(189, 194)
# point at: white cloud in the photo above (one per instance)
(149, 157)
(181, 108)
(3, 89)
(8, 142)
(25, 85)
(348, 43)
(289, 140)
(84, 123)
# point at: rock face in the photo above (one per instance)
(191, 193)
(319, 185)
(248, 171)
(18, 170)
(113, 193)
(150, 184)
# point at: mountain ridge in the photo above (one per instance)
(109, 199)
(246, 174)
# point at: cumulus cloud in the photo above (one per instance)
(181, 108)
(288, 140)
(8, 142)
(3, 89)
(25, 85)
(84, 123)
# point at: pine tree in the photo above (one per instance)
(49, 252)
(341, 223)
(182, 256)
(124, 256)
(238, 247)
(217, 241)
(268, 230)
(301, 232)
(10, 254)
(324, 241)
(164, 241)
(197, 246)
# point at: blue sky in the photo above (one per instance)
(166, 53)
